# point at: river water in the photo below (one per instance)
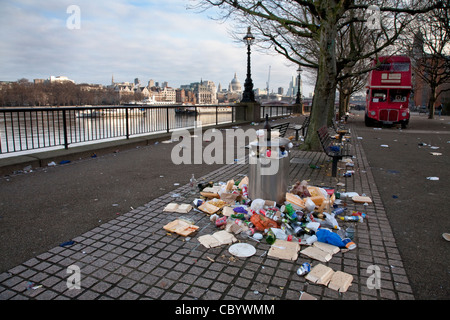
(29, 130)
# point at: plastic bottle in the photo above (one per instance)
(193, 184)
(357, 213)
(339, 211)
(352, 218)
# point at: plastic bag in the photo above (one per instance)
(262, 223)
(327, 236)
(257, 205)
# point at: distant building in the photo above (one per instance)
(206, 92)
(166, 94)
(422, 90)
(235, 85)
(293, 87)
(59, 79)
(280, 91)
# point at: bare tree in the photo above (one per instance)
(430, 48)
(286, 26)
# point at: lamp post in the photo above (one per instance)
(248, 95)
(298, 100)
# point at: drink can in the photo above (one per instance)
(305, 268)
(221, 221)
(245, 191)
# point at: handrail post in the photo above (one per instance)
(167, 119)
(127, 125)
(66, 142)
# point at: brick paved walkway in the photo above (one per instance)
(132, 257)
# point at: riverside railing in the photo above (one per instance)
(23, 129)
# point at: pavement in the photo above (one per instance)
(111, 206)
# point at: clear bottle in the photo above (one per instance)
(193, 184)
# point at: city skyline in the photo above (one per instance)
(160, 40)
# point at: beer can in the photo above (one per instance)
(221, 221)
(245, 191)
(305, 268)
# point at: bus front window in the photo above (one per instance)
(398, 95)
(379, 95)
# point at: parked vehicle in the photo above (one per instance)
(388, 91)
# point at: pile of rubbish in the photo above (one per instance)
(309, 217)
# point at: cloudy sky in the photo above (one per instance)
(146, 39)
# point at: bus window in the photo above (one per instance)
(398, 95)
(384, 67)
(379, 95)
(400, 66)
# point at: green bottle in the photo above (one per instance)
(270, 237)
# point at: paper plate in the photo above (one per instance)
(242, 250)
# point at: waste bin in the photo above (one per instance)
(269, 173)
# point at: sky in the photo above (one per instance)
(161, 40)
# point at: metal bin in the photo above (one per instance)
(268, 176)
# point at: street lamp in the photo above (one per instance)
(248, 95)
(299, 95)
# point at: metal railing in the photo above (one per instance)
(276, 110)
(23, 129)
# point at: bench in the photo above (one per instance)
(302, 127)
(282, 127)
(335, 151)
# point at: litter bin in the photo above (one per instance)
(269, 171)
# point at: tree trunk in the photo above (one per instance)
(431, 102)
(322, 109)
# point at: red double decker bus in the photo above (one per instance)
(388, 90)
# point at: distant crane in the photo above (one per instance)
(268, 81)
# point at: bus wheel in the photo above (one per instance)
(368, 122)
(405, 124)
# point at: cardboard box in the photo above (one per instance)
(340, 281)
(295, 200)
(180, 227)
(286, 250)
(317, 254)
(217, 239)
(320, 274)
(329, 248)
(180, 208)
(208, 208)
(361, 199)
